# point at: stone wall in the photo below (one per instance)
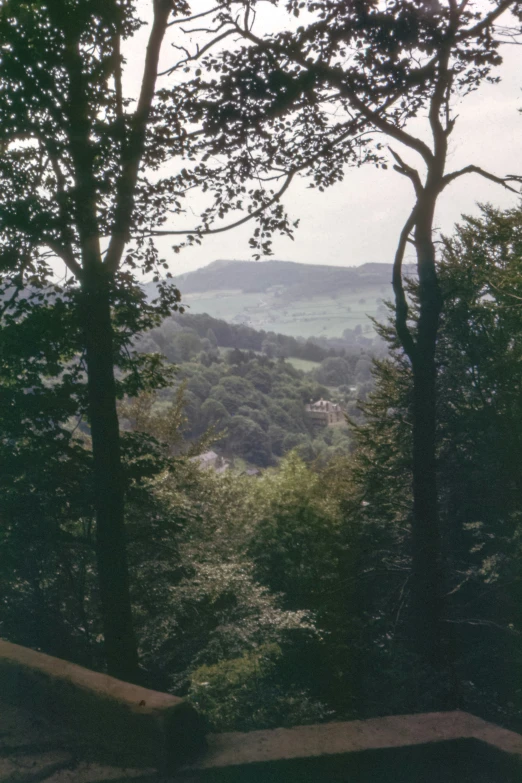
(122, 723)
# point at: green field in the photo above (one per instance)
(322, 316)
(221, 304)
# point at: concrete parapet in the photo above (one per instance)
(441, 747)
(107, 718)
(97, 719)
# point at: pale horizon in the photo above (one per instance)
(359, 220)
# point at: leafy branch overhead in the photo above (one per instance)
(319, 94)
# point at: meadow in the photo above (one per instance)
(321, 316)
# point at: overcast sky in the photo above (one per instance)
(359, 220)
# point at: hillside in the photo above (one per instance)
(296, 279)
(290, 298)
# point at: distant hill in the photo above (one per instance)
(299, 279)
(290, 298)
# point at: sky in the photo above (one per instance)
(359, 220)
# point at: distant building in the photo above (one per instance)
(324, 413)
(210, 460)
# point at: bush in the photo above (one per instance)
(249, 693)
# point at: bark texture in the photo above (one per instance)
(96, 276)
(427, 578)
(120, 643)
(426, 545)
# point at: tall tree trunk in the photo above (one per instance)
(426, 584)
(120, 642)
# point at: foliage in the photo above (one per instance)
(165, 338)
(266, 103)
(197, 600)
(481, 275)
(72, 146)
(478, 445)
(285, 597)
(249, 692)
(248, 440)
(255, 407)
(279, 598)
(334, 372)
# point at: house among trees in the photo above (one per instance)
(209, 459)
(326, 414)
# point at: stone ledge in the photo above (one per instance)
(438, 746)
(396, 731)
(114, 720)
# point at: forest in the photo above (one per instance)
(365, 570)
(250, 398)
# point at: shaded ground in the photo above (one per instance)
(33, 751)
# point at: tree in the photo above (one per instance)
(211, 337)
(249, 440)
(214, 414)
(260, 378)
(187, 345)
(65, 73)
(76, 185)
(334, 371)
(479, 447)
(45, 488)
(47, 491)
(313, 97)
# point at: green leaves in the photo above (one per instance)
(479, 448)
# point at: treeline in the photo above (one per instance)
(214, 332)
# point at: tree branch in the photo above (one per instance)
(336, 77)
(477, 170)
(407, 171)
(134, 152)
(199, 52)
(276, 197)
(66, 255)
(66, 252)
(401, 303)
(486, 22)
(240, 222)
(193, 17)
(387, 127)
(81, 150)
(485, 624)
(442, 87)
(117, 76)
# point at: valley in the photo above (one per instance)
(299, 300)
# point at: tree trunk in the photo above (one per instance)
(120, 642)
(426, 583)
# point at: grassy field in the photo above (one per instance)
(222, 304)
(315, 317)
